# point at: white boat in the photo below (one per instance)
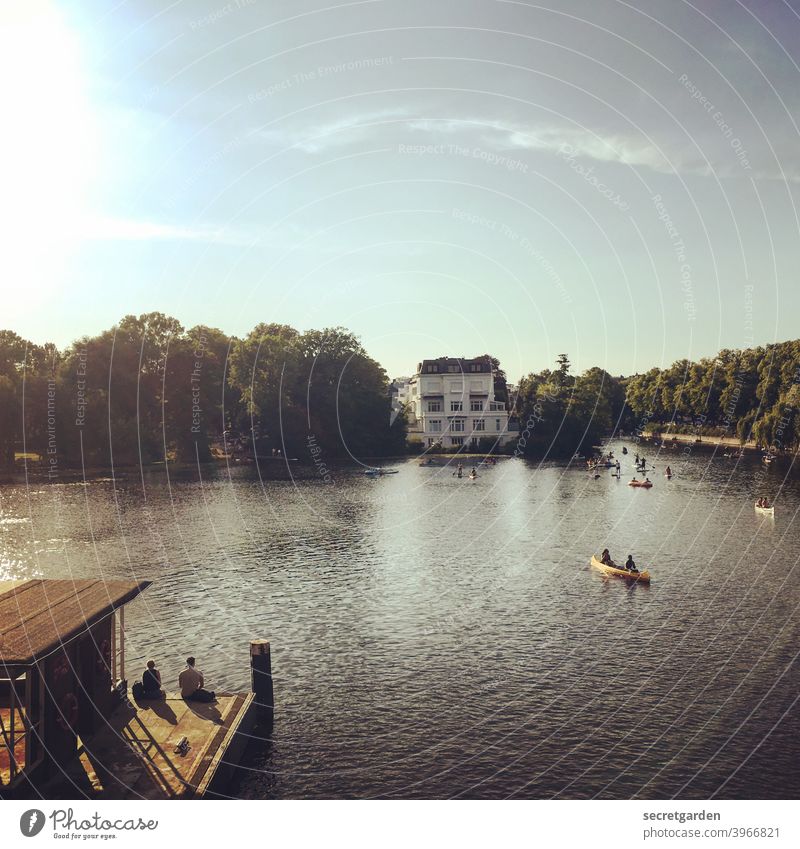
(766, 511)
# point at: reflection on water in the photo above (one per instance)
(443, 637)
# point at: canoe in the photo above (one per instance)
(767, 511)
(641, 577)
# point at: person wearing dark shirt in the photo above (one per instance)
(151, 681)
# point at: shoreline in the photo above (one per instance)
(707, 441)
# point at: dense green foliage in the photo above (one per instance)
(560, 413)
(750, 394)
(150, 390)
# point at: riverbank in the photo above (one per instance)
(708, 441)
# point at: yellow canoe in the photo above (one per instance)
(643, 577)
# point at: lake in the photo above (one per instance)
(437, 637)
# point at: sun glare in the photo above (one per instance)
(48, 148)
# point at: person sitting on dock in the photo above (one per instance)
(191, 682)
(151, 681)
(630, 565)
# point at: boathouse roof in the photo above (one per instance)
(38, 616)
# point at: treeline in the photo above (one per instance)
(560, 413)
(149, 390)
(751, 394)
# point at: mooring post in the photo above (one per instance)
(261, 672)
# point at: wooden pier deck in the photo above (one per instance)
(134, 756)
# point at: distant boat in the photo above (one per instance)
(377, 473)
(640, 484)
(641, 577)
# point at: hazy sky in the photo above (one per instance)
(614, 180)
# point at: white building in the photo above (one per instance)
(454, 404)
(400, 393)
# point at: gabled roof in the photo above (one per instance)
(37, 616)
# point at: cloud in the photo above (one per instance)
(337, 133)
(663, 153)
(625, 150)
(127, 230)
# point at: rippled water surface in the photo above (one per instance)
(436, 637)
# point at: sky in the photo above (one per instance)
(617, 181)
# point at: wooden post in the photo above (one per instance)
(261, 673)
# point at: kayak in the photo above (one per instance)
(643, 577)
(376, 473)
(767, 511)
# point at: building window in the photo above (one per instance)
(497, 424)
(476, 406)
(456, 387)
(456, 406)
(434, 406)
(458, 425)
(432, 368)
(497, 405)
(457, 440)
(453, 369)
(435, 425)
(480, 424)
(474, 366)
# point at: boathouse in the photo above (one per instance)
(62, 661)
(68, 726)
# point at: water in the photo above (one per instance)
(435, 637)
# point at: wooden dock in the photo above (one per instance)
(134, 756)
